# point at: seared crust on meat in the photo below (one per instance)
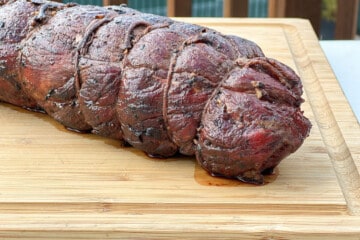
(160, 85)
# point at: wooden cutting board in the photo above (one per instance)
(59, 184)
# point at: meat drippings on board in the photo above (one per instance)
(162, 86)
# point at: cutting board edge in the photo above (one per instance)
(343, 225)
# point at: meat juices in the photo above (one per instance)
(160, 85)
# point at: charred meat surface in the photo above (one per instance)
(160, 85)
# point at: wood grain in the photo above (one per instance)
(64, 185)
(308, 9)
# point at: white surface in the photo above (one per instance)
(344, 58)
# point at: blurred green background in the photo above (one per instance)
(214, 8)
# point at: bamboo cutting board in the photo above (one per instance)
(59, 184)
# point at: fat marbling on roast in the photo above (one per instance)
(160, 85)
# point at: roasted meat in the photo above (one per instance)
(160, 85)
